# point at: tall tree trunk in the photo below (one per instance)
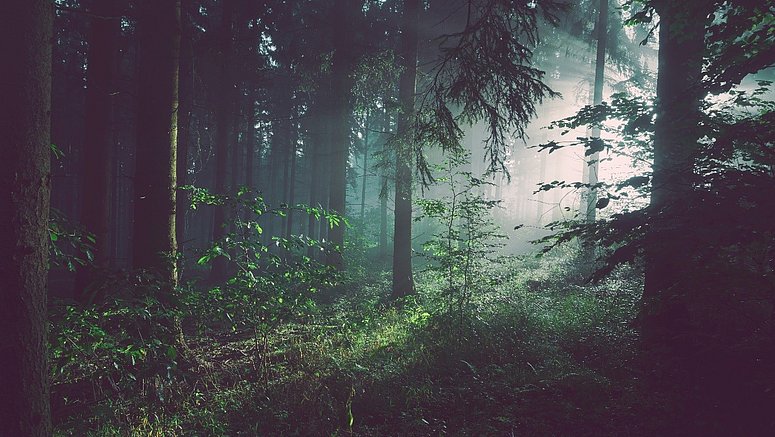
(25, 129)
(365, 168)
(224, 120)
(155, 198)
(282, 112)
(250, 144)
(403, 282)
(592, 162)
(98, 139)
(185, 105)
(383, 195)
(292, 184)
(679, 93)
(316, 155)
(344, 19)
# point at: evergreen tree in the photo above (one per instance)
(25, 128)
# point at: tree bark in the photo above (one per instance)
(383, 197)
(158, 50)
(186, 100)
(679, 93)
(403, 282)
(224, 121)
(347, 12)
(592, 162)
(367, 127)
(98, 140)
(25, 129)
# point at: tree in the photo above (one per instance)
(25, 124)
(403, 282)
(158, 34)
(480, 71)
(225, 97)
(96, 183)
(592, 163)
(347, 13)
(677, 130)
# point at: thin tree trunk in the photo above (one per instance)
(403, 282)
(184, 121)
(154, 233)
(365, 168)
(250, 144)
(25, 128)
(315, 156)
(592, 162)
(383, 197)
(292, 185)
(282, 112)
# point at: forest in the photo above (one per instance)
(387, 218)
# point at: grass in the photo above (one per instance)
(535, 355)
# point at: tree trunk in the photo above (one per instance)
(185, 104)
(250, 145)
(317, 145)
(383, 197)
(292, 183)
(224, 120)
(158, 53)
(25, 128)
(592, 162)
(347, 12)
(403, 282)
(679, 93)
(282, 112)
(365, 168)
(98, 140)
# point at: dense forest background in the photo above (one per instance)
(387, 217)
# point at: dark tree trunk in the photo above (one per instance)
(98, 140)
(367, 127)
(158, 53)
(344, 18)
(250, 144)
(403, 282)
(679, 93)
(223, 128)
(383, 197)
(25, 129)
(315, 154)
(292, 184)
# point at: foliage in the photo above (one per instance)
(121, 345)
(733, 170)
(70, 246)
(468, 238)
(272, 279)
(539, 358)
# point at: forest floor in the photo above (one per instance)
(539, 353)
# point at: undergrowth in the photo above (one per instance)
(535, 356)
